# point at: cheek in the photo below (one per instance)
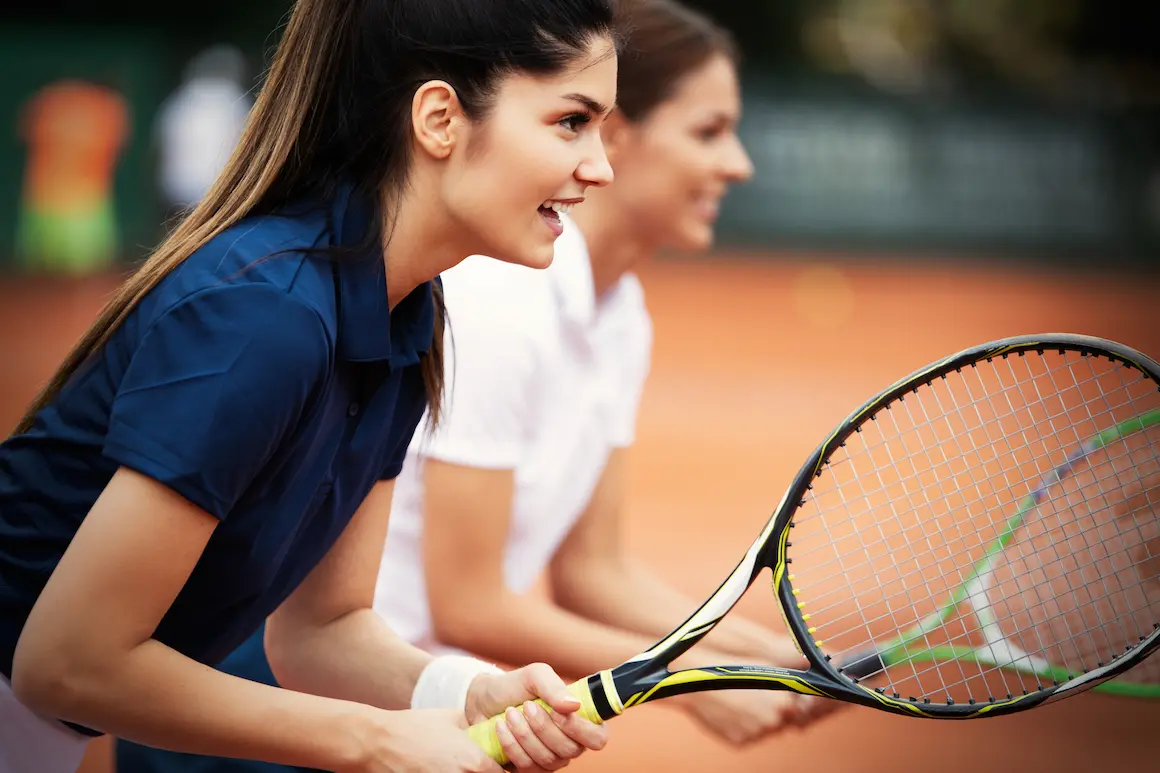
(671, 177)
(486, 187)
(517, 176)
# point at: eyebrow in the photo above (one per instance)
(589, 103)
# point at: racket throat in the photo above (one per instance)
(862, 665)
(605, 697)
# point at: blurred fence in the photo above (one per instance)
(858, 169)
(838, 166)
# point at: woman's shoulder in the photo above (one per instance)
(264, 256)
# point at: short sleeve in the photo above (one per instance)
(214, 386)
(490, 360)
(626, 347)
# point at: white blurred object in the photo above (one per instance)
(200, 123)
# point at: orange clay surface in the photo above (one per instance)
(755, 361)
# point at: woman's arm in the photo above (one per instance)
(86, 652)
(326, 639)
(593, 576)
(465, 532)
(465, 529)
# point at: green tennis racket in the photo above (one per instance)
(981, 538)
(1098, 474)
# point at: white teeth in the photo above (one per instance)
(562, 209)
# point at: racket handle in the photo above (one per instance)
(483, 733)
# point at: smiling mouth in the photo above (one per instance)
(551, 211)
(560, 207)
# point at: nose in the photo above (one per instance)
(595, 168)
(736, 164)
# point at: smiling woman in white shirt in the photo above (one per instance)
(526, 473)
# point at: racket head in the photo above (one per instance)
(843, 667)
(1140, 681)
(892, 517)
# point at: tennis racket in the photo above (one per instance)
(980, 538)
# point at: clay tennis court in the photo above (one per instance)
(754, 362)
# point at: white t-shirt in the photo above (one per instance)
(542, 379)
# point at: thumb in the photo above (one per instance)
(546, 684)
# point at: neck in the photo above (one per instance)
(417, 243)
(614, 246)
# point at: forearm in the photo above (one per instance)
(632, 598)
(157, 697)
(355, 658)
(626, 596)
(517, 630)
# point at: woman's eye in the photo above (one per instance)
(575, 122)
(709, 134)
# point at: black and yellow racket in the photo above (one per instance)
(981, 538)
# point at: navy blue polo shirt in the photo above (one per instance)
(266, 383)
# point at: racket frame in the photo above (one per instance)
(646, 677)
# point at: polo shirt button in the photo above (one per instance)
(352, 411)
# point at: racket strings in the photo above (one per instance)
(1114, 600)
(1097, 637)
(913, 481)
(1012, 412)
(990, 637)
(980, 537)
(981, 541)
(901, 517)
(1001, 628)
(1078, 635)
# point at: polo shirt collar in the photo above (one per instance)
(368, 330)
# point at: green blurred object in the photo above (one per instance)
(72, 243)
(99, 233)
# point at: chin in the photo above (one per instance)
(697, 238)
(538, 257)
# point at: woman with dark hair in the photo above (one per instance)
(220, 449)
(526, 471)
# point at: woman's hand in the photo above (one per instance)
(741, 717)
(424, 741)
(534, 739)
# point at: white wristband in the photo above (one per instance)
(446, 680)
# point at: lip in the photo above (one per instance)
(709, 209)
(556, 226)
(566, 201)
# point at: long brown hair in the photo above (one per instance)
(336, 105)
(275, 126)
(666, 40)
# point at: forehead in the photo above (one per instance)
(592, 74)
(711, 88)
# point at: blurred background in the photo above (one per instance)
(931, 174)
(1007, 127)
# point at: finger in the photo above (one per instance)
(550, 734)
(546, 684)
(526, 738)
(515, 753)
(483, 764)
(588, 734)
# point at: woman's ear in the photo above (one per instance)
(436, 115)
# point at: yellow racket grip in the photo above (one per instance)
(483, 733)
